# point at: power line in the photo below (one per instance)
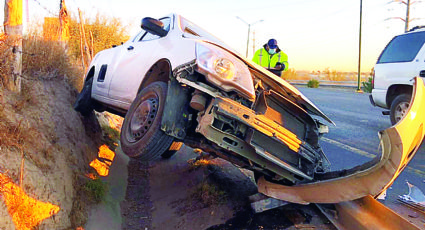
(16, 50)
(45, 8)
(407, 18)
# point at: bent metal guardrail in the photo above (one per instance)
(399, 144)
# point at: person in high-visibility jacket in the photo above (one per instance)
(271, 57)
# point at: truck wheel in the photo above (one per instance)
(399, 108)
(84, 103)
(141, 134)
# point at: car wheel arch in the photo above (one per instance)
(91, 72)
(160, 71)
(395, 90)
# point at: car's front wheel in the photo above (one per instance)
(399, 108)
(141, 134)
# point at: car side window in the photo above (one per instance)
(403, 48)
(148, 36)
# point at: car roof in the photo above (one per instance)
(416, 29)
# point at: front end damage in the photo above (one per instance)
(275, 137)
(269, 133)
(268, 128)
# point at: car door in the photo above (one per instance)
(133, 64)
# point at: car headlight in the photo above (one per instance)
(224, 70)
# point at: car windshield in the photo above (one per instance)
(403, 48)
(189, 28)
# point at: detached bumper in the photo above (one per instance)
(399, 144)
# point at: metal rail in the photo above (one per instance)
(364, 213)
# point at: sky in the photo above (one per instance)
(315, 34)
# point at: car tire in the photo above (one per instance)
(141, 134)
(399, 108)
(84, 103)
(174, 147)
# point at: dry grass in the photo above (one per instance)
(289, 74)
(11, 134)
(45, 59)
(5, 58)
(29, 120)
(209, 194)
(326, 75)
(105, 31)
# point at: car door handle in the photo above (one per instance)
(130, 48)
(422, 73)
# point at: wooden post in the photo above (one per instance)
(64, 23)
(91, 46)
(13, 29)
(82, 49)
(83, 33)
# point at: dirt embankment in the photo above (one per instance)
(40, 131)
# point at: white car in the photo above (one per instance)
(176, 83)
(401, 60)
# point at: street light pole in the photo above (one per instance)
(247, 42)
(406, 26)
(360, 50)
(249, 31)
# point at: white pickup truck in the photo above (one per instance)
(401, 60)
(175, 83)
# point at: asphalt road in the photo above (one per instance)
(354, 140)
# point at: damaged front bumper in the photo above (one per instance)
(399, 144)
(273, 135)
(265, 143)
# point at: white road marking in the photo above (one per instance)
(349, 148)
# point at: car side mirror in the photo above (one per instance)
(153, 26)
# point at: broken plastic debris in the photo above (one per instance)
(382, 196)
(415, 198)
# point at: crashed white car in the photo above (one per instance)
(175, 83)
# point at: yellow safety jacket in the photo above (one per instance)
(266, 60)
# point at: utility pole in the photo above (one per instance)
(360, 50)
(13, 29)
(249, 31)
(64, 23)
(253, 41)
(407, 19)
(406, 27)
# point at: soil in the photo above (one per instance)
(182, 193)
(176, 193)
(57, 146)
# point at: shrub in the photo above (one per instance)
(313, 83)
(96, 189)
(105, 32)
(367, 85)
(209, 194)
(47, 59)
